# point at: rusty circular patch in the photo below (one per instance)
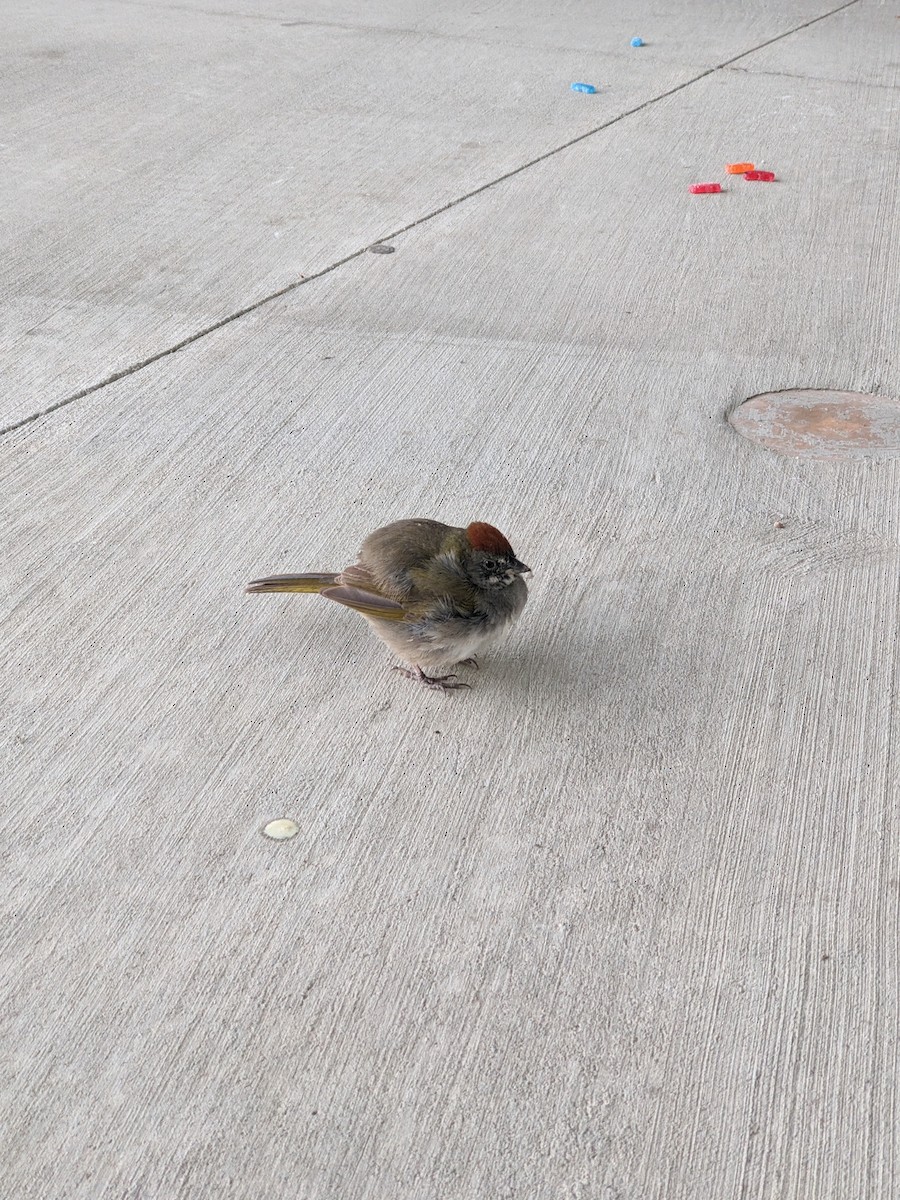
(821, 424)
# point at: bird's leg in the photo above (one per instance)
(441, 683)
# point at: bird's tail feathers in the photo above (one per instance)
(315, 581)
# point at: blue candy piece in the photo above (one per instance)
(637, 41)
(583, 87)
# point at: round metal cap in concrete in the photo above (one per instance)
(807, 423)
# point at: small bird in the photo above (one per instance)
(435, 594)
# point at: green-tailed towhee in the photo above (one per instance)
(437, 595)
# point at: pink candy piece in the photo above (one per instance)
(762, 176)
(698, 188)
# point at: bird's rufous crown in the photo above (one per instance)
(486, 537)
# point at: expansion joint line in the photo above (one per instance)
(133, 368)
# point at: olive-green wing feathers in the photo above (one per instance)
(370, 604)
(353, 587)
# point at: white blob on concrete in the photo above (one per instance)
(281, 829)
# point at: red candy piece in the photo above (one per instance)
(762, 176)
(698, 188)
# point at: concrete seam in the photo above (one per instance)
(133, 368)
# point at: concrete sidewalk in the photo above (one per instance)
(621, 922)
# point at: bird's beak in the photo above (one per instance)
(521, 568)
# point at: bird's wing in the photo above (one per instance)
(393, 552)
(369, 603)
(358, 577)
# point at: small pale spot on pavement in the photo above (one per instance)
(281, 829)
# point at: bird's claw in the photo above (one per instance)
(440, 683)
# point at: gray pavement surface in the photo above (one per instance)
(621, 922)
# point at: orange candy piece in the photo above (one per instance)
(738, 168)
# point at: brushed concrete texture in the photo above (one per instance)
(621, 922)
(165, 165)
(860, 44)
(699, 32)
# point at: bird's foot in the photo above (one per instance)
(469, 662)
(440, 683)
